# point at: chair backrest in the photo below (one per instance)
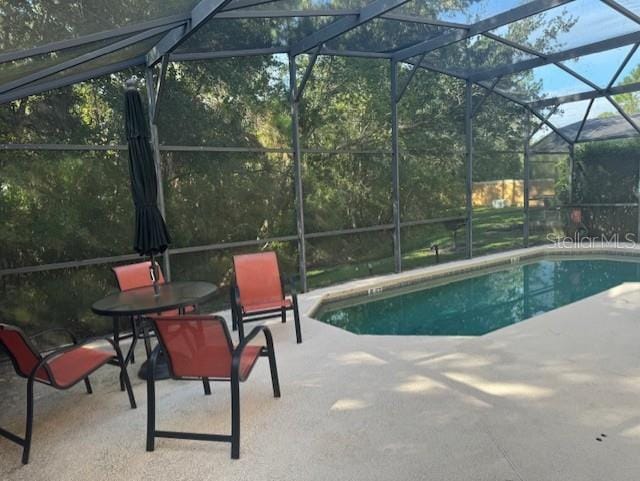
(22, 353)
(132, 276)
(195, 346)
(258, 278)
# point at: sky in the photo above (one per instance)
(594, 21)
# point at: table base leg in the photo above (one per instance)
(162, 368)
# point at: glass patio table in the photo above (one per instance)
(144, 301)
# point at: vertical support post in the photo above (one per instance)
(638, 197)
(395, 168)
(526, 289)
(527, 177)
(468, 130)
(572, 161)
(155, 144)
(297, 166)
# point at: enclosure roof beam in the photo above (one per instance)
(596, 47)
(159, 88)
(354, 53)
(602, 92)
(439, 70)
(87, 57)
(194, 56)
(240, 4)
(418, 19)
(621, 111)
(591, 94)
(405, 85)
(542, 123)
(558, 64)
(299, 90)
(202, 12)
(533, 112)
(622, 66)
(505, 18)
(487, 94)
(70, 79)
(524, 105)
(584, 121)
(337, 28)
(44, 49)
(285, 13)
(622, 10)
(340, 12)
(576, 75)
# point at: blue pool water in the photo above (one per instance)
(473, 306)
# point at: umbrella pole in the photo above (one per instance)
(154, 275)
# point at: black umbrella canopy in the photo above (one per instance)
(151, 234)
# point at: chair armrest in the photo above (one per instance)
(237, 352)
(248, 338)
(71, 335)
(34, 338)
(83, 342)
(44, 363)
(234, 294)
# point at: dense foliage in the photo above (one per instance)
(607, 173)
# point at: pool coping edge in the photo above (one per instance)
(377, 284)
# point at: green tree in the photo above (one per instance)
(630, 102)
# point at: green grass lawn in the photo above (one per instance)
(494, 230)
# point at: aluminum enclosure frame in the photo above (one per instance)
(178, 28)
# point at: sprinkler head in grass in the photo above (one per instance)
(435, 248)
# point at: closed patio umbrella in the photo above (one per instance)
(151, 235)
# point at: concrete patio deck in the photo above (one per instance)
(526, 402)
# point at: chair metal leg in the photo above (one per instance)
(151, 401)
(234, 315)
(127, 384)
(131, 354)
(235, 417)
(87, 384)
(124, 375)
(275, 383)
(296, 318)
(29, 428)
(283, 313)
(116, 341)
(207, 386)
(147, 343)
(151, 414)
(240, 323)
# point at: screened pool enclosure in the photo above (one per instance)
(353, 137)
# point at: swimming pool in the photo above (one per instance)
(481, 302)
